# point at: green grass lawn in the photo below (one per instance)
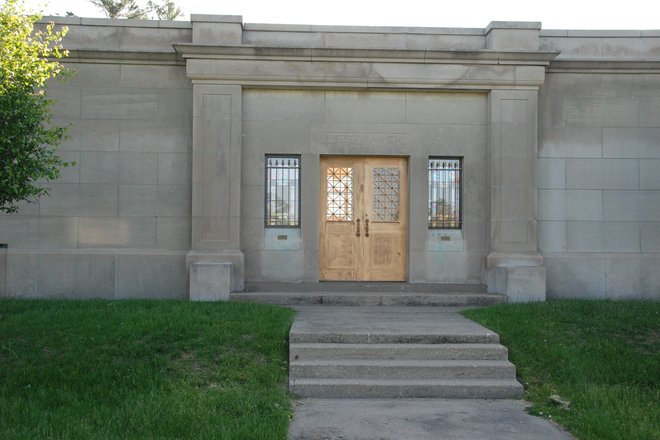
(601, 356)
(143, 370)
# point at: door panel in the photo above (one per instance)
(364, 209)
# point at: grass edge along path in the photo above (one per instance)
(96, 369)
(601, 357)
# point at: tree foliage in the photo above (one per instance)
(120, 8)
(166, 10)
(28, 58)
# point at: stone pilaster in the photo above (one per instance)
(216, 183)
(513, 266)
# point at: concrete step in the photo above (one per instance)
(410, 388)
(392, 338)
(307, 352)
(402, 369)
(443, 299)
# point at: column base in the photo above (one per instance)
(213, 275)
(210, 281)
(521, 277)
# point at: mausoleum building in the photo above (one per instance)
(212, 153)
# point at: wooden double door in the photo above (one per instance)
(364, 218)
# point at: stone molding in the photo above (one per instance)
(124, 57)
(601, 66)
(280, 53)
(360, 68)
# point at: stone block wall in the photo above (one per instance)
(134, 212)
(598, 165)
(117, 223)
(299, 122)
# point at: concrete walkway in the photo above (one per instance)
(403, 418)
(419, 419)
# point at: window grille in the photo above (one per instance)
(340, 195)
(385, 194)
(445, 188)
(282, 191)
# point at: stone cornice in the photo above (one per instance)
(605, 66)
(535, 58)
(123, 57)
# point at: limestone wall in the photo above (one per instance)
(599, 162)
(123, 223)
(117, 224)
(425, 124)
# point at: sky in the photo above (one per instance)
(554, 14)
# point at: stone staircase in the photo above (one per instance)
(397, 351)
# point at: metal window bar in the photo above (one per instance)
(282, 205)
(445, 193)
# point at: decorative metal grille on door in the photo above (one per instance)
(385, 198)
(340, 195)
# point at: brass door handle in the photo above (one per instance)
(366, 228)
(357, 232)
